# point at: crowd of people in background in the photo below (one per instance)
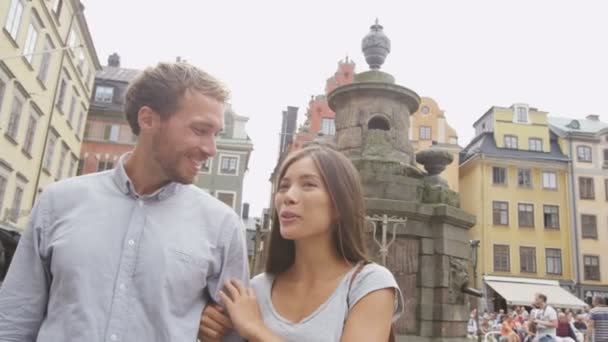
(541, 322)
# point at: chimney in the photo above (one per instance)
(593, 117)
(114, 60)
(245, 213)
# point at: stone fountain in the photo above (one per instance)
(418, 230)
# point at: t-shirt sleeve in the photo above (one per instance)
(371, 278)
(551, 314)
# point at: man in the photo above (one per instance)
(545, 318)
(598, 320)
(564, 329)
(134, 253)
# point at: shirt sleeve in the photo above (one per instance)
(25, 291)
(233, 261)
(371, 278)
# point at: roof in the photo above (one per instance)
(521, 291)
(117, 74)
(568, 125)
(485, 144)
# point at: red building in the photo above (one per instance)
(107, 133)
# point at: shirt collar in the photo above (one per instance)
(124, 184)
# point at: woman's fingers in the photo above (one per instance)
(227, 301)
(233, 291)
(218, 316)
(210, 323)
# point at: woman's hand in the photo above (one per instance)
(242, 306)
(214, 323)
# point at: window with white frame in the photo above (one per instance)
(227, 197)
(72, 106)
(499, 175)
(4, 80)
(425, 133)
(584, 154)
(592, 267)
(554, 260)
(206, 168)
(111, 132)
(510, 141)
(17, 199)
(524, 178)
(535, 144)
(328, 126)
(80, 121)
(502, 258)
(13, 21)
(73, 161)
(50, 151)
(527, 259)
(525, 215)
(31, 39)
(549, 180)
(103, 165)
(551, 216)
(521, 114)
(61, 95)
(31, 131)
(4, 174)
(229, 164)
(45, 60)
(62, 155)
(500, 213)
(15, 116)
(104, 94)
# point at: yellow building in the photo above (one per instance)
(429, 127)
(585, 141)
(47, 68)
(514, 178)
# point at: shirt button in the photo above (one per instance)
(123, 287)
(141, 203)
(131, 242)
(114, 337)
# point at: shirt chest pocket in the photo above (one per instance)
(185, 279)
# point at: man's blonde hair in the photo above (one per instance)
(161, 87)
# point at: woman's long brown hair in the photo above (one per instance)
(341, 179)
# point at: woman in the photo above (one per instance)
(317, 286)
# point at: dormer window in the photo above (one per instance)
(511, 141)
(521, 113)
(104, 94)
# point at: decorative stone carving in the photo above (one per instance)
(376, 46)
(459, 278)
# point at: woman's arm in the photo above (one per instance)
(371, 317)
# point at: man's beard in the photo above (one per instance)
(168, 161)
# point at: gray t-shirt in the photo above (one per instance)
(325, 324)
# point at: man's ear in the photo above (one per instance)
(147, 118)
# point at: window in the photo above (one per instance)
(501, 258)
(73, 162)
(226, 197)
(60, 167)
(535, 144)
(500, 213)
(592, 267)
(521, 114)
(80, 167)
(45, 61)
(583, 154)
(104, 94)
(499, 175)
(527, 259)
(328, 126)
(551, 216)
(554, 260)
(61, 95)
(206, 168)
(16, 208)
(3, 182)
(13, 21)
(30, 133)
(425, 133)
(14, 118)
(606, 188)
(525, 215)
(80, 120)
(2, 90)
(229, 165)
(589, 226)
(31, 40)
(606, 158)
(103, 165)
(72, 106)
(510, 141)
(524, 178)
(549, 180)
(111, 132)
(50, 151)
(586, 188)
(72, 41)
(81, 60)
(57, 5)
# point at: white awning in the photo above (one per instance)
(521, 291)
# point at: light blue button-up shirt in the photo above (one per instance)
(98, 262)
